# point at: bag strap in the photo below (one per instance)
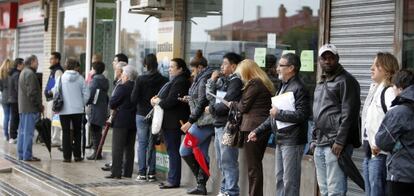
(60, 85)
(383, 105)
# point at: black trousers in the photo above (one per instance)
(71, 142)
(123, 142)
(14, 120)
(172, 140)
(255, 152)
(96, 133)
(400, 188)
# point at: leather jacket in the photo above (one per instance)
(336, 109)
(295, 134)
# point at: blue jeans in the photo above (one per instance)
(25, 137)
(172, 139)
(331, 179)
(203, 134)
(227, 161)
(288, 169)
(145, 160)
(6, 119)
(375, 174)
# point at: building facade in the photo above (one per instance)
(262, 30)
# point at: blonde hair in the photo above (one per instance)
(5, 68)
(248, 70)
(388, 63)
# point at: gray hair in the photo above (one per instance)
(30, 59)
(120, 65)
(130, 71)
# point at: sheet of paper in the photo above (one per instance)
(285, 101)
(306, 58)
(220, 98)
(220, 94)
(271, 40)
(260, 56)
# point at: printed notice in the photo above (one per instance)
(271, 40)
(306, 58)
(260, 56)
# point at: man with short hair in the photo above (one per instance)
(30, 105)
(292, 138)
(231, 85)
(336, 108)
(56, 70)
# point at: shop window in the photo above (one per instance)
(408, 35)
(138, 35)
(7, 43)
(248, 27)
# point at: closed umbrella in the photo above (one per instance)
(348, 167)
(43, 126)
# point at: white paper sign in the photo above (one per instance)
(271, 40)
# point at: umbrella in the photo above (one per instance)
(102, 142)
(84, 121)
(43, 126)
(348, 167)
(191, 141)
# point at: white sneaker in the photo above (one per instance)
(221, 194)
(12, 141)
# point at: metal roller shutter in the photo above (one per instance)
(360, 29)
(30, 41)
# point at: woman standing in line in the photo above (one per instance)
(377, 103)
(4, 75)
(174, 112)
(254, 106)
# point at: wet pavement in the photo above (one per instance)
(52, 176)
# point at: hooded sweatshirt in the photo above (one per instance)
(75, 92)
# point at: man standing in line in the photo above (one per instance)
(291, 139)
(56, 71)
(227, 157)
(336, 115)
(30, 106)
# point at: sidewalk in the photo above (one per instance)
(85, 175)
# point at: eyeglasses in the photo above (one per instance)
(281, 65)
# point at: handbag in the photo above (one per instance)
(232, 136)
(157, 119)
(58, 98)
(205, 118)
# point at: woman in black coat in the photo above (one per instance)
(98, 101)
(123, 138)
(174, 112)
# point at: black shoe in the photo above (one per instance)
(67, 160)
(167, 185)
(78, 159)
(198, 190)
(113, 177)
(106, 168)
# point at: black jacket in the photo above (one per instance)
(125, 109)
(295, 134)
(197, 93)
(232, 85)
(99, 110)
(174, 109)
(396, 136)
(336, 110)
(13, 81)
(146, 87)
(4, 88)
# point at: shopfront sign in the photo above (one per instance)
(8, 15)
(30, 12)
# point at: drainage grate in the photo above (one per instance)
(56, 182)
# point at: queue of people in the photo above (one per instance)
(196, 103)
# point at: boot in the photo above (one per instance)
(200, 189)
